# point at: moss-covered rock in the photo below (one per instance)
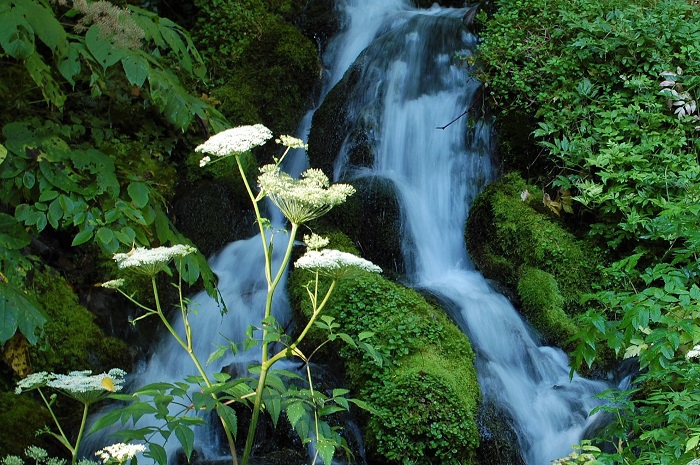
(543, 306)
(506, 235)
(21, 417)
(72, 340)
(273, 80)
(427, 394)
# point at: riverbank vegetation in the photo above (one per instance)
(603, 95)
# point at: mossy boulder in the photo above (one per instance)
(426, 393)
(72, 340)
(543, 306)
(273, 80)
(507, 236)
(21, 417)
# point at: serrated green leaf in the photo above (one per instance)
(157, 452)
(41, 74)
(295, 412)
(326, 449)
(69, 64)
(186, 437)
(101, 48)
(228, 416)
(54, 214)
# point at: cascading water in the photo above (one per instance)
(408, 88)
(409, 85)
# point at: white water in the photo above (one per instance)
(410, 86)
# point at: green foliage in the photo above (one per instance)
(73, 88)
(23, 416)
(604, 83)
(542, 305)
(425, 413)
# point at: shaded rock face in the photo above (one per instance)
(498, 442)
(210, 232)
(372, 220)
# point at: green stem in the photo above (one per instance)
(188, 348)
(62, 438)
(74, 458)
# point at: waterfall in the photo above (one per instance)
(410, 86)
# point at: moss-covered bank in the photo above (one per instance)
(427, 394)
(541, 265)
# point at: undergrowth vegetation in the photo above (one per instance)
(611, 87)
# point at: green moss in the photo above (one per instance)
(72, 340)
(428, 391)
(273, 79)
(542, 305)
(21, 417)
(504, 234)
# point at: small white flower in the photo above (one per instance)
(235, 140)
(334, 263)
(32, 381)
(292, 142)
(113, 284)
(525, 195)
(305, 199)
(57, 461)
(120, 452)
(151, 261)
(315, 242)
(694, 462)
(693, 353)
(86, 387)
(12, 460)
(203, 162)
(36, 453)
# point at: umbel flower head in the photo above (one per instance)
(82, 386)
(334, 263)
(302, 200)
(151, 261)
(120, 452)
(235, 140)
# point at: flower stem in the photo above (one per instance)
(74, 458)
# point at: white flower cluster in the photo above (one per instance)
(315, 242)
(334, 263)
(120, 452)
(203, 162)
(150, 261)
(33, 381)
(80, 385)
(12, 460)
(114, 284)
(36, 453)
(292, 142)
(693, 353)
(84, 381)
(235, 140)
(305, 199)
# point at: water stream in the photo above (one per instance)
(411, 84)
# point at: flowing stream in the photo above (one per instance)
(410, 87)
(411, 84)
